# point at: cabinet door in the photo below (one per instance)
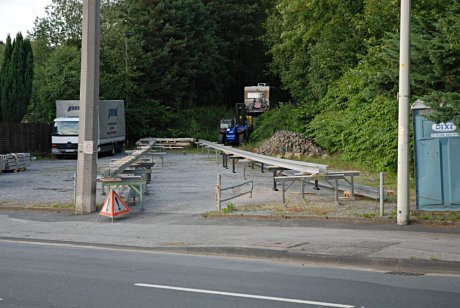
(451, 168)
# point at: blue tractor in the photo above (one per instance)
(235, 131)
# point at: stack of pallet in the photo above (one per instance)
(9, 162)
(14, 162)
(22, 160)
(173, 143)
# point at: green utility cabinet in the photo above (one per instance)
(437, 162)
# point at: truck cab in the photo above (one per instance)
(64, 139)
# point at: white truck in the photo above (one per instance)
(111, 134)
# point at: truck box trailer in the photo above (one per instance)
(257, 98)
(111, 130)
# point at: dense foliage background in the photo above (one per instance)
(339, 60)
(181, 65)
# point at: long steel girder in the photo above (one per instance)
(302, 167)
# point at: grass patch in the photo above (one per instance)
(370, 215)
(230, 207)
(455, 216)
(393, 214)
(439, 217)
(316, 208)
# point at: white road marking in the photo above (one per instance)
(270, 298)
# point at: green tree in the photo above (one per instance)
(358, 116)
(59, 79)
(6, 78)
(313, 42)
(438, 49)
(179, 61)
(2, 51)
(240, 27)
(16, 79)
(61, 25)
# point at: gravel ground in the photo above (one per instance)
(44, 183)
(185, 184)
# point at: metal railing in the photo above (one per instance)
(219, 191)
(306, 170)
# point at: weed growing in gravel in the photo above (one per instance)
(369, 215)
(433, 217)
(393, 214)
(230, 207)
(68, 205)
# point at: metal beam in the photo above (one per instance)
(269, 161)
(119, 165)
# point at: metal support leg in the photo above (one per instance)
(233, 165)
(302, 185)
(352, 188)
(225, 160)
(316, 187)
(284, 192)
(337, 192)
(262, 167)
(274, 181)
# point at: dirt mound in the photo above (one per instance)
(289, 144)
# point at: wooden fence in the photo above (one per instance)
(25, 137)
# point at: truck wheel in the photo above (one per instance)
(220, 139)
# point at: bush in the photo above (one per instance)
(284, 117)
(198, 122)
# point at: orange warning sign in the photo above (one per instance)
(114, 206)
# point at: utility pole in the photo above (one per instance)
(403, 122)
(85, 190)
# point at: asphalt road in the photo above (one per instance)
(38, 275)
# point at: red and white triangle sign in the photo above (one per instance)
(114, 206)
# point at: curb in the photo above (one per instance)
(57, 210)
(353, 220)
(396, 265)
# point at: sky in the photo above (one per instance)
(19, 15)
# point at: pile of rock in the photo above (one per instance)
(289, 144)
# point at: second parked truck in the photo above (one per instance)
(111, 131)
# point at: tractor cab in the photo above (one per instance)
(226, 123)
(235, 131)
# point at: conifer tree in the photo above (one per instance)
(5, 79)
(16, 79)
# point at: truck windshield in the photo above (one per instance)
(66, 128)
